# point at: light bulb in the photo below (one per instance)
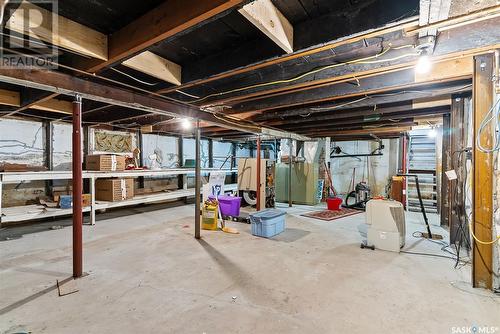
(423, 65)
(432, 133)
(186, 124)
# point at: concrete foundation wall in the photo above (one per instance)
(375, 170)
(22, 142)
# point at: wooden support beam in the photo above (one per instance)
(13, 98)
(356, 103)
(432, 102)
(362, 131)
(268, 19)
(156, 66)
(167, 20)
(459, 67)
(366, 119)
(66, 84)
(55, 105)
(39, 23)
(9, 98)
(358, 126)
(482, 257)
(410, 26)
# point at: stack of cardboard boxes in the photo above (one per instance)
(112, 189)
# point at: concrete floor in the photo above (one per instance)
(147, 274)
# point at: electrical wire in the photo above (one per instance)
(429, 254)
(489, 117)
(481, 241)
(240, 125)
(390, 94)
(134, 78)
(187, 94)
(93, 75)
(365, 60)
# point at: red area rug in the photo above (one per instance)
(329, 215)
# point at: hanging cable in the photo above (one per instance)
(187, 94)
(134, 78)
(93, 75)
(366, 97)
(365, 60)
(481, 241)
(491, 115)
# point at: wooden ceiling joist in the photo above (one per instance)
(268, 19)
(361, 116)
(375, 131)
(69, 85)
(168, 19)
(408, 26)
(49, 27)
(149, 63)
(368, 101)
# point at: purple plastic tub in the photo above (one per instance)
(229, 205)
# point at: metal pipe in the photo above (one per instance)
(77, 188)
(197, 197)
(290, 161)
(257, 207)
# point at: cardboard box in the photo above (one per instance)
(114, 190)
(103, 162)
(66, 201)
(86, 199)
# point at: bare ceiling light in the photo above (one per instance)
(186, 124)
(424, 64)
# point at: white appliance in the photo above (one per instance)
(386, 220)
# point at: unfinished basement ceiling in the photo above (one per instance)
(347, 54)
(105, 16)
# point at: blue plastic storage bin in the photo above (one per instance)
(268, 223)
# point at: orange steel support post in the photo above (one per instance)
(257, 207)
(77, 188)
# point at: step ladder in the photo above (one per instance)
(422, 162)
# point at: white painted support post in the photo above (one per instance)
(1, 189)
(92, 200)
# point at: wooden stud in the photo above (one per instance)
(268, 19)
(482, 257)
(63, 32)
(156, 66)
